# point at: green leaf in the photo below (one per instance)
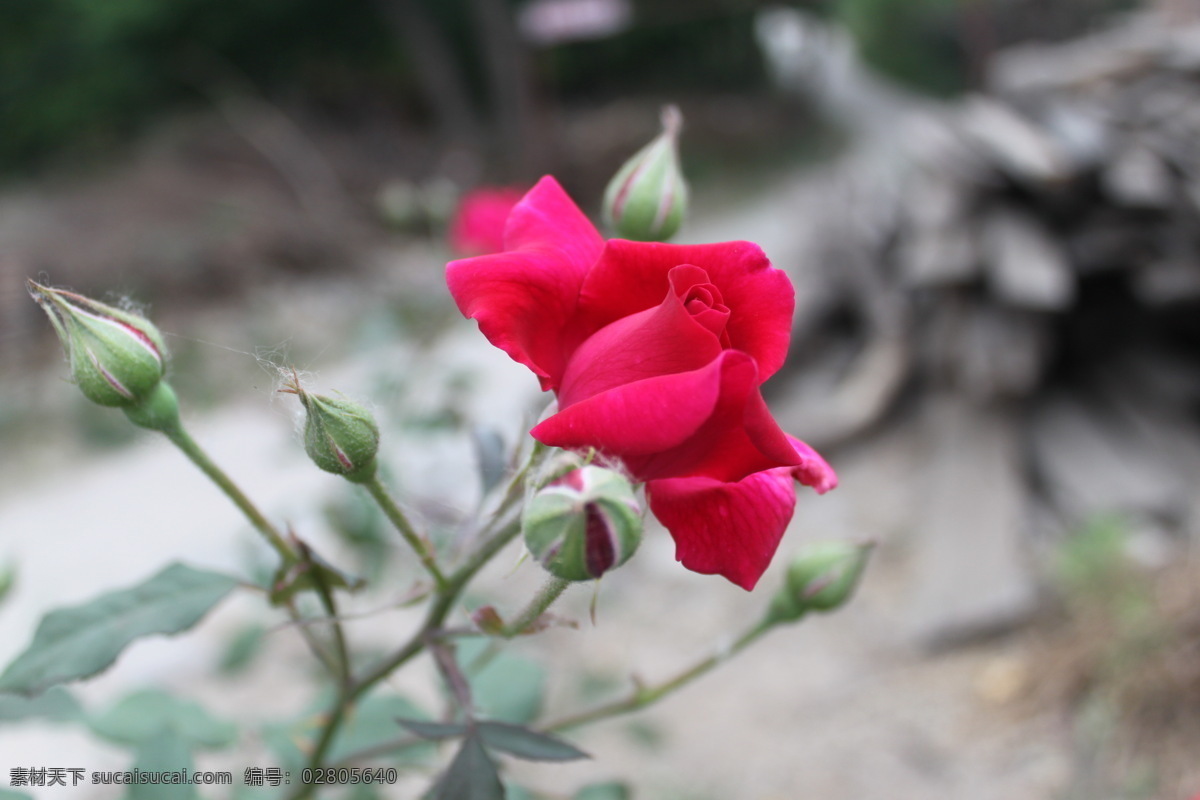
(471, 775)
(373, 721)
(168, 753)
(434, 731)
(604, 791)
(361, 525)
(489, 452)
(78, 642)
(56, 705)
(525, 743)
(8, 579)
(507, 688)
(242, 648)
(10, 794)
(286, 739)
(149, 714)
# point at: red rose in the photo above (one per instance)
(656, 353)
(478, 224)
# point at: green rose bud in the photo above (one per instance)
(117, 358)
(822, 577)
(340, 436)
(647, 199)
(583, 524)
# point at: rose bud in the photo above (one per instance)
(822, 577)
(340, 436)
(583, 524)
(647, 198)
(117, 358)
(477, 227)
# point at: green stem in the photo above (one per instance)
(180, 438)
(444, 600)
(341, 650)
(550, 591)
(314, 645)
(504, 527)
(460, 688)
(644, 696)
(419, 545)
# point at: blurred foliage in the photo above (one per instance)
(8, 579)
(1123, 656)
(242, 648)
(77, 75)
(54, 705)
(147, 715)
(1105, 590)
(1094, 570)
(941, 46)
(85, 74)
(505, 687)
(673, 47)
(361, 525)
(913, 41)
(80, 76)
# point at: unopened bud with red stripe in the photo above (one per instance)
(117, 358)
(647, 199)
(583, 524)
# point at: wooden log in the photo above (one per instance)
(1089, 461)
(1014, 143)
(982, 350)
(1136, 176)
(1026, 267)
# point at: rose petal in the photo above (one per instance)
(733, 528)
(663, 340)
(632, 276)
(711, 421)
(812, 470)
(727, 529)
(524, 297)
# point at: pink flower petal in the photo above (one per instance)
(523, 298)
(671, 337)
(813, 470)
(727, 529)
(733, 528)
(632, 276)
(710, 421)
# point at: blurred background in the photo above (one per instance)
(990, 211)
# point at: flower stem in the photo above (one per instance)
(505, 525)
(419, 545)
(180, 438)
(341, 650)
(503, 529)
(545, 598)
(314, 644)
(644, 696)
